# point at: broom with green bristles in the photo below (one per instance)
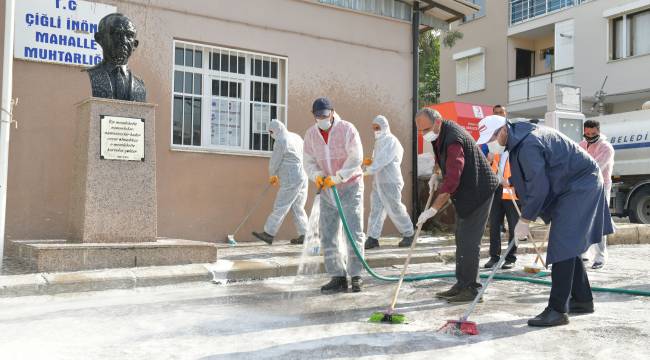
(389, 316)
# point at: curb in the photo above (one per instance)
(249, 269)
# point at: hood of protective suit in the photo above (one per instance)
(383, 125)
(279, 129)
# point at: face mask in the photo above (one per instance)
(495, 148)
(324, 124)
(592, 139)
(430, 136)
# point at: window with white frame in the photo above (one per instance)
(470, 73)
(630, 35)
(224, 99)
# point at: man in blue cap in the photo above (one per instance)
(333, 155)
(559, 182)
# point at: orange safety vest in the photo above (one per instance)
(508, 191)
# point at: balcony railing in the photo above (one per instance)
(535, 87)
(524, 10)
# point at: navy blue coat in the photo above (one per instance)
(559, 182)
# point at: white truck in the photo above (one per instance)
(629, 134)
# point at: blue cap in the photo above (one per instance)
(322, 107)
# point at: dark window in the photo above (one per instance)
(198, 84)
(196, 124)
(524, 66)
(178, 81)
(187, 121)
(618, 41)
(179, 56)
(178, 120)
(189, 57)
(189, 86)
(198, 59)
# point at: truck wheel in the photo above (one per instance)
(640, 207)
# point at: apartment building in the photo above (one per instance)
(513, 49)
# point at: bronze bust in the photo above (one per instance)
(112, 79)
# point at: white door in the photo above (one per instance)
(564, 37)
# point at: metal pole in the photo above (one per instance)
(415, 37)
(5, 120)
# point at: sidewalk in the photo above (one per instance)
(259, 261)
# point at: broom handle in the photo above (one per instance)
(548, 232)
(408, 257)
(259, 201)
(496, 267)
(539, 254)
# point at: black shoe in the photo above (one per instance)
(356, 283)
(509, 264)
(406, 241)
(465, 295)
(299, 240)
(549, 317)
(336, 285)
(455, 290)
(371, 243)
(491, 263)
(264, 237)
(597, 265)
(576, 307)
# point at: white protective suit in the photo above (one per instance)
(287, 164)
(603, 152)
(386, 198)
(341, 156)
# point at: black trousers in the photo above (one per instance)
(569, 280)
(469, 231)
(501, 208)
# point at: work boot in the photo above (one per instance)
(356, 283)
(449, 293)
(406, 241)
(337, 284)
(577, 307)
(264, 237)
(465, 295)
(491, 262)
(371, 243)
(509, 264)
(299, 240)
(549, 317)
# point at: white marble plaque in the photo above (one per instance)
(122, 138)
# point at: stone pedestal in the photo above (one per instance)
(113, 215)
(113, 200)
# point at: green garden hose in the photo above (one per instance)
(532, 280)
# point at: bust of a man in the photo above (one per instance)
(112, 78)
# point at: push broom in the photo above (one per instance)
(389, 316)
(532, 269)
(231, 237)
(462, 325)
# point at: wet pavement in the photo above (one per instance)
(287, 318)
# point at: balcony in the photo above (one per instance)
(524, 10)
(534, 87)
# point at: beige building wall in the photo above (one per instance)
(362, 62)
(489, 32)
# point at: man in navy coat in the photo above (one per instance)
(557, 181)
